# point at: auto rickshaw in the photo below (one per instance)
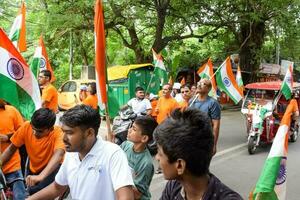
(263, 108)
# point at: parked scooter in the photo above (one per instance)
(121, 125)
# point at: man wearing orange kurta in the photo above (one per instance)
(186, 95)
(49, 92)
(166, 104)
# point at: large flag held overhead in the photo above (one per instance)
(18, 30)
(206, 71)
(271, 184)
(159, 68)
(18, 85)
(287, 84)
(100, 54)
(40, 60)
(226, 81)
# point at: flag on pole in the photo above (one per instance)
(18, 30)
(287, 84)
(18, 85)
(100, 54)
(159, 67)
(206, 71)
(171, 82)
(226, 81)
(40, 60)
(271, 184)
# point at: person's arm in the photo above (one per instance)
(54, 162)
(8, 153)
(216, 129)
(125, 193)
(50, 192)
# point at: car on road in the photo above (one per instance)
(68, 93)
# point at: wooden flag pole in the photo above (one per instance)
(110, 136)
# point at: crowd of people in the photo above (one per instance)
(69, 155)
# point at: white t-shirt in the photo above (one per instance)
(102, 171)
(139, 106)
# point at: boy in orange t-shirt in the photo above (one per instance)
(91, 99)
(44, 145)
(11, 120)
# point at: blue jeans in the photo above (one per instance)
(15, 181)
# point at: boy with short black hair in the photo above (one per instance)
(185, 147)
(139, 157)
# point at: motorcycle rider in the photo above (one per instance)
(139, 104)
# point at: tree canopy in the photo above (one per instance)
(190, 31)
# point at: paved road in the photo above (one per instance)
(235, 167)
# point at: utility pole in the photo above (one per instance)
(277, 46)
(71, 55)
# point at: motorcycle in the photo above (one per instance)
(121, 125)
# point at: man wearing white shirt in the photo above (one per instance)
(92, 168)
(140, 105)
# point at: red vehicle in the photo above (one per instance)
(263, 108)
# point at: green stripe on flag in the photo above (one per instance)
(267, 179)
(15, 36)
(16, 96)
(286, 91)
(35, 66)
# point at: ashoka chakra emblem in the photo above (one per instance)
(15, 69)
(226, 82)
(42, 63)
(281, 177)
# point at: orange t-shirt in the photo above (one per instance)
(153, 105)
(40, 150)
(91, 100)
(11, 120)
(183, 104)
(50, 95)
(165, 107)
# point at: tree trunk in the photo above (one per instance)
(251, 38)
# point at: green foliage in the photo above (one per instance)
(191, 31)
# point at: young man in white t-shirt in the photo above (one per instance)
(92, 168)
(140, 105)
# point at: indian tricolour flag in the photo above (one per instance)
(227, 83)
(40, 60)
(159, 67)
(18, 30)
(206, 71)
(271, 184)
(100, 55)
(287, 84)
(18, 85)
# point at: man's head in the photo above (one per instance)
(92, 88)
(203, 86)
(166, 90)
(193, 89)
(42, 122)
(139, 92)
(142, 130)
(80, 125)
(44, 77)
(186, 92)
(185, 144)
